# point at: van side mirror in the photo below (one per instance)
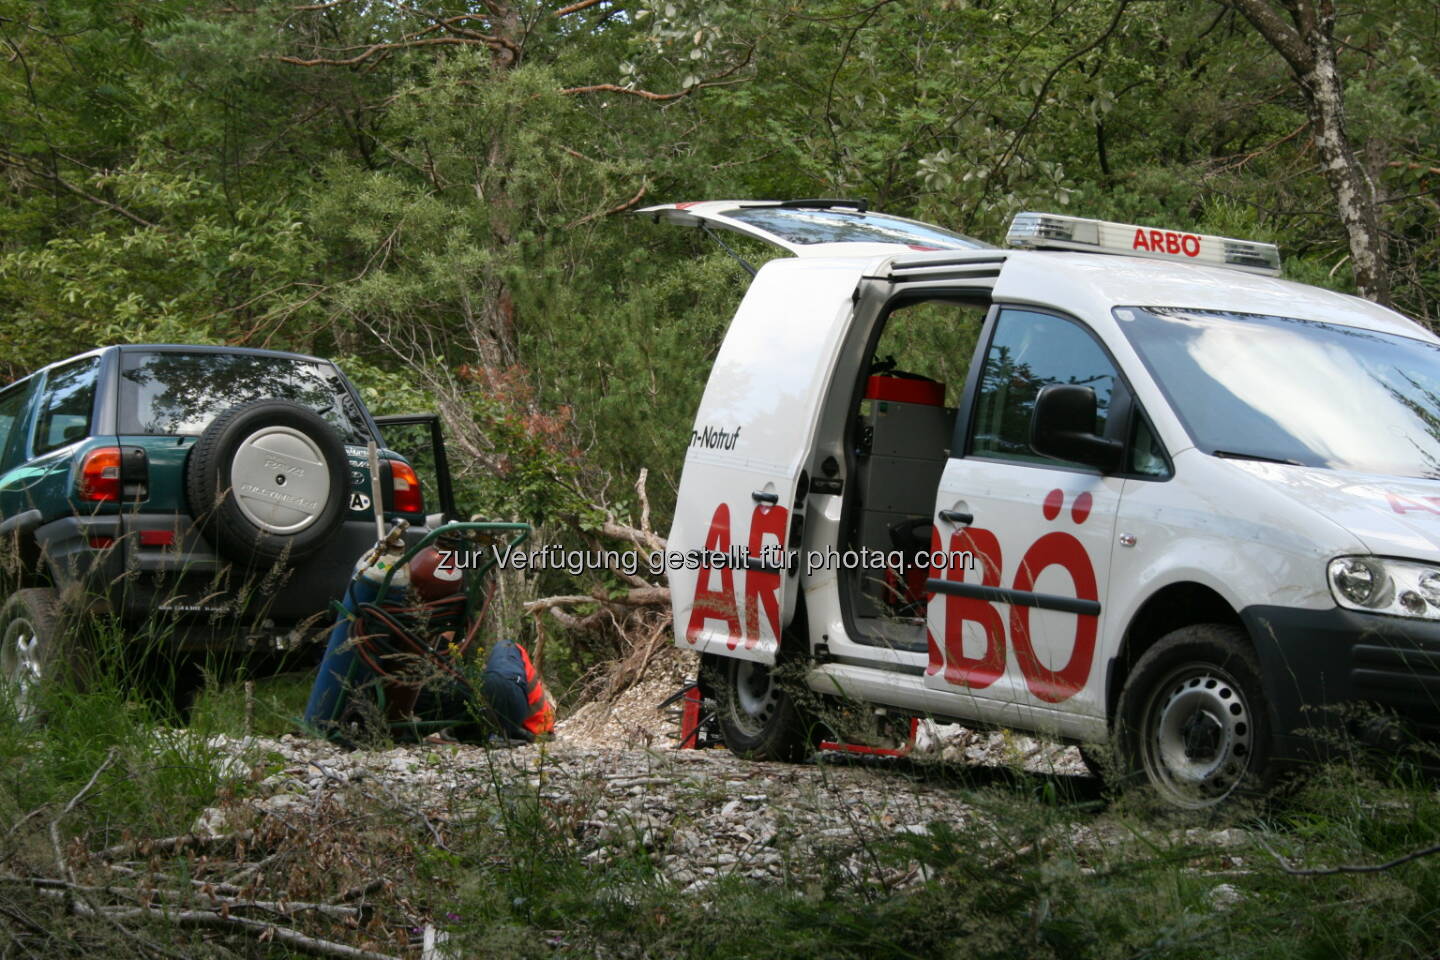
(1062, 426)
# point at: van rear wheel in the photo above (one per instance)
(1193, 720)
(757, 715)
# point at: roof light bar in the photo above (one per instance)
(1050, 231)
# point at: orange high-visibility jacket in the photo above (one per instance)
(542, 716)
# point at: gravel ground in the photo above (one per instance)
(616, 779)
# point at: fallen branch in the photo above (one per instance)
(280, 908)
(55, 824)
(204, 918)
(360, 890)
(636, 597)
(1295, 871)
(172, 844)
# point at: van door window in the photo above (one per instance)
(66, 405)
(1028, 351)
(1148, 458)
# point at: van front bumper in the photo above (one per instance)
(1336, 675)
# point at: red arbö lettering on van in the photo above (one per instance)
(1167, 241)
(762, 587)
(711, 604)
(1402, 504)
(1054, 549)
(973, 672)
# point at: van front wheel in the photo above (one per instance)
(1192, 719)
(757, 715)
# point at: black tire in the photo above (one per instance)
(243, 507)
(757, 715)
(1098, 762)
(1193, 721)
(33, 649)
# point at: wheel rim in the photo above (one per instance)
(20, 664)
(280, 480)
(1198, 733)
(756, 697)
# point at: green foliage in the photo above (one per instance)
(445, 213)
(175, 177)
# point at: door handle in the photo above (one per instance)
(957, 517)
(761, 496)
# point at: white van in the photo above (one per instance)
(1114, 485)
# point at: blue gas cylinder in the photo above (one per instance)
(341, 669)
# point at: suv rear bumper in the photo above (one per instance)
(104, 558)
(1340, 672)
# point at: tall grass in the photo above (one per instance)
(1036, 871)
(1042, 865)
(158, 776)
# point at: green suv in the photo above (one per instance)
(224, 493)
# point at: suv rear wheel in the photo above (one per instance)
(31, 637)
(267, 480)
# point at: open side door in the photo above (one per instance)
(740, 512)
(814, 228)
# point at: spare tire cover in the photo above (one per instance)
(267, 481)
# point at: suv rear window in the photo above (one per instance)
(66, 405)
(169, 393)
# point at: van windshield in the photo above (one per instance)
(1295, 391)
(170, 392)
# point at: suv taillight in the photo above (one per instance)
(99, 480)
(405, 489)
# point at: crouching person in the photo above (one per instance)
(514, 696)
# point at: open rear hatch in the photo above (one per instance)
(814, 228)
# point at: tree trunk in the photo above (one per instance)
(1308, 46)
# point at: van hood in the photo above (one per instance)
(1391, 516)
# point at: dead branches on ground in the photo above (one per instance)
(308, 885)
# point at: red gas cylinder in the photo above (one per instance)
(434, 574)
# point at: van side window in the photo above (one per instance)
(12, 405)
(66, 405)
(1147, 453)
(1029, 351)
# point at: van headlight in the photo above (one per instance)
(1381, 585)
